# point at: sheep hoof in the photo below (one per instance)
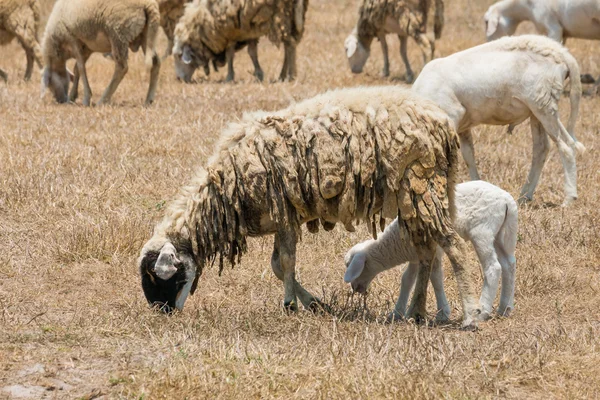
(290, 306)
(394, 316)
(504, 311)
(409, 78)
(524, 199)
(259, 75)
(316, 306)
(469, 327)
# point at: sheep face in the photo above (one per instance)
(57, 80)
(360, 270)
(497, 26)
(356, 52)
(187, 61)
(168, 276)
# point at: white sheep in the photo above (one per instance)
(343, 156)
(213, 30)
(485, 215)
(558, 19)
(20, 19)
(377, 18)
(504, 82)
(78, 29)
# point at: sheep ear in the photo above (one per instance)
(355, 268)
(186, 56)
(351, 46)
(492, 24)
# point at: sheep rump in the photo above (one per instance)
(21, 19)
(343, 156)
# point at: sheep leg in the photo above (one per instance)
(73, 93)
(406, 286)
(386, 57)
(154, 70)
(491, 270)
(424, 44)
(285, 241)
(29, 68)
(253, 53)
(455, 248)
(119, 53)
(308, 300)
(468, 153)
(418, 305)
(3, 76)
(169, 48)
(288, 70)
(540, 148)
(409, 76)
(508, 264)
(229, 54)
(437, 281)
(81, 57)
(32, 49)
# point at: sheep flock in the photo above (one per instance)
(254, 183)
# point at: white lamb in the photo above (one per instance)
(558, 19)
(504, 82)
(486, 215)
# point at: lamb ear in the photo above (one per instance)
(355, 268)
(186, 56)
(492, 24)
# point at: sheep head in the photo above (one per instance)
(496, 25)
(359, 271)
(356, 52)
(169, 274)
(57, 79)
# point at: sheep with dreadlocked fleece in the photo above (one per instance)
(344, 156)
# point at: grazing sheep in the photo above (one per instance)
(376, 18)
(343, 156)
(78, 29)
(20, 19)
(486, 215)
(558, 19)
(504, 82)
(212, 30)
(170, 13)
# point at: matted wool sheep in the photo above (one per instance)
(20, 19)
(76, 29)
(344, 156)
(213, 30)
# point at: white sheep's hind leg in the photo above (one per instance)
(540, 148)
(229, 54)
(468, 153)
(437, 281)
(386, 57)
(119, 53)
(409, 76)
(286, 243)
(483, 243)
(553, 127)
(253, 53)
(508, 262)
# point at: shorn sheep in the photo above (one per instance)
(343, 156)
(377, 18)
(20, 19)
(212, 31)
(558, 19)
(78, 29)
(485, 215)
(504, 82)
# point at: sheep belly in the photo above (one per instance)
(99, 44)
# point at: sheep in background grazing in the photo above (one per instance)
(212, 30)
(504, 82)
(78, 29)
(20, 19)
(378, 18)
(343, 156)
(558, 19)
(485, 215)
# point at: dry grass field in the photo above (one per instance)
(81, 188)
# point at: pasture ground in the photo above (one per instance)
(81, 188)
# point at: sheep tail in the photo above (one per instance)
(152, 27)
(575, 94)
(438, 19)
(507, 236)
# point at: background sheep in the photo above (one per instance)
(212, 30)
(486, 215)
(78, 29)
(170, 13)
(489, 84)
(557, 19)
(20, 19)
(376, 18)
(342, 157)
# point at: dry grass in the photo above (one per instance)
(80, 189)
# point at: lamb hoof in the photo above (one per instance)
(291, 306)
(568, 201)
